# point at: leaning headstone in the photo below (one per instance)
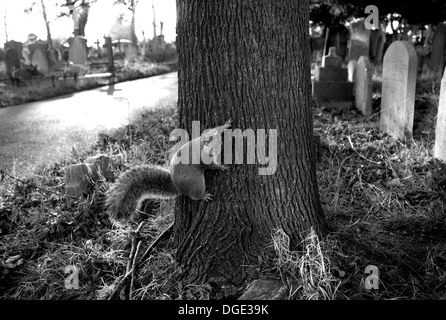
(440, 130)
(12, 60)
(40, 60)
(359, 40)
(351, 69)
(437, 59)
(363, 86)
(78, 50)
(398, 89)
(330, 82)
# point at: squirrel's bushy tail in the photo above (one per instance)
(134, 186)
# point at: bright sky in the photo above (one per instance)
(101, 18)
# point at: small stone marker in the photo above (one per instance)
(101, 166)
(440, 130)
(80, 178)
(363, 86)
(398, 89)
(77, 182)
(330, 82)
(351, 68)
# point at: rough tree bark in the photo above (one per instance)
(247, 60)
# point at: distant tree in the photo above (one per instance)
(131, 5)
(78, 10)
(30, 8)
(5, 15)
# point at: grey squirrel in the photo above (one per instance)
(125, 196)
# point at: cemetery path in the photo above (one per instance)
(46, 131)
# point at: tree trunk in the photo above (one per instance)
(47, 24)
(133, 36)
(249, 61)
(6, 25)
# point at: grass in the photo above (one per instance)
(385, 203)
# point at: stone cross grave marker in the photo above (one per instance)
(363, 86)
(398, 90)
(440, 130)
(330, 81)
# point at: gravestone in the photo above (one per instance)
(317, 49)
(398, 89)
(12, 60)
(351, 69)
(338, 38)
(377, 40)
(78, 50)
(2, 68)
(39, 59)
(330, 82)
(437, 59)
(363, 86)
(440, 130)
(17, 46)
(359, 40)
(131, 52)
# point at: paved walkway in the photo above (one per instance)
(46, 131)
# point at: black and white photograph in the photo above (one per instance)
(222, 154)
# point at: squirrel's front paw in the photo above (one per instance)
(223, 167)
(207, 197)
(228, 123)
